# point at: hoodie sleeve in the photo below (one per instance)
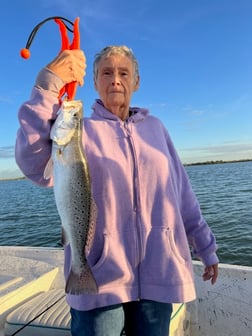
(36, 116)
(200, 236)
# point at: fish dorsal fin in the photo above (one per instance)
(48, 172)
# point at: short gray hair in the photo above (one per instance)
(115, 50)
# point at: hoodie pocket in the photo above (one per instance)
(104, 254)
(164, 263)
(112, 267)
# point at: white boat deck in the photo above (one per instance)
(32, 293)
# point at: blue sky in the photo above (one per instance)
(195, 60)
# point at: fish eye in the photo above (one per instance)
(75, 113)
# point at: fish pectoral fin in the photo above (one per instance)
(48, 172)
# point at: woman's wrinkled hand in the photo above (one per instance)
(211, 272)
(70, 66)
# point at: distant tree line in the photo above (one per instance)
(215, 162)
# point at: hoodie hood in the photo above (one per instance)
(100, 112)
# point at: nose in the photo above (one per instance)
(115, 80)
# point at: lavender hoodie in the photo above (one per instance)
(147, 211)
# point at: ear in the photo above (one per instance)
(95, 84)
(137, 83)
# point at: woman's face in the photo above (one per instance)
(115, 82)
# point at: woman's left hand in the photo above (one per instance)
(211, 272)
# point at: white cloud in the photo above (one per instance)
(227, 151)
(10, 174)
(5, 100)
(6, 152)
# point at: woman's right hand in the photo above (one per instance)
(70, 66)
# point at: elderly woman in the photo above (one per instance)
(148, 215)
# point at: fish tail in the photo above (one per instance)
(81, 283)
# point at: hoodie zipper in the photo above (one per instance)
(136, 199)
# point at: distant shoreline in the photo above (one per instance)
(13, 178)
(215, 162)
(185, 164)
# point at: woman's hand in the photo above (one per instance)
(211, 272)
(70, 66)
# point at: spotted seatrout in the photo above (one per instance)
(72, 190)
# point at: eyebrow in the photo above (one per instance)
(111, 68)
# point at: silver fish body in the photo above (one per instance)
(72, 190)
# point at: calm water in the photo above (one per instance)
(28, 213)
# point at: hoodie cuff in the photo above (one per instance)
(211, 260)
(48, 80)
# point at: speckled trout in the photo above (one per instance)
(72, 190)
